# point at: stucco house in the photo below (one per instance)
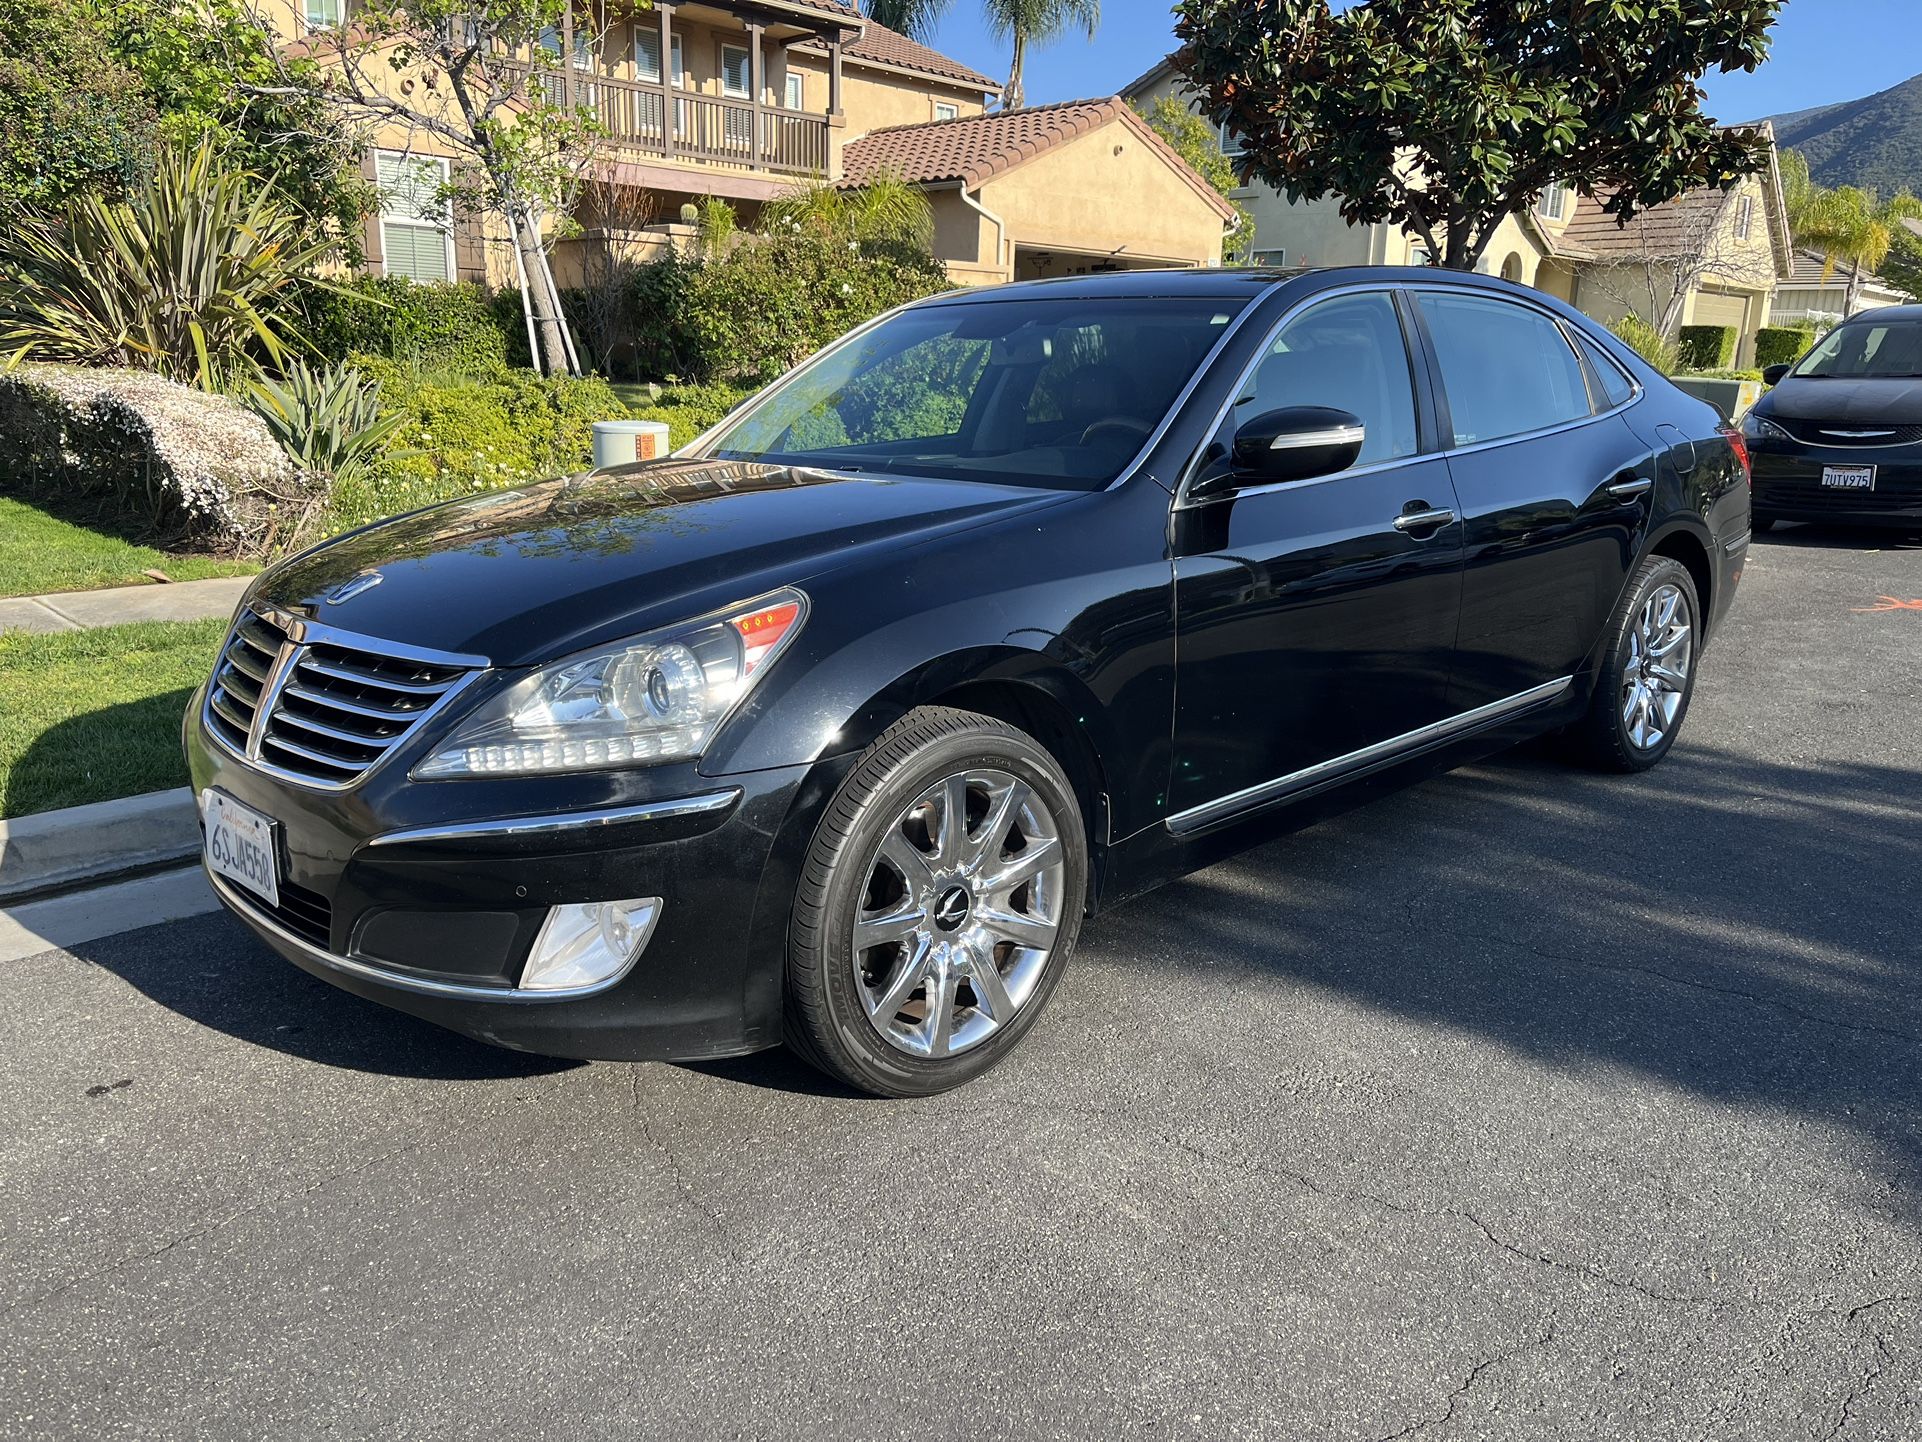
(1710, 258)
(743, 99)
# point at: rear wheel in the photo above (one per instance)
(939, 903)
(1642, 695)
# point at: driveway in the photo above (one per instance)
(1524, 1104)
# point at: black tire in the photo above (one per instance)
(1762, 525)
(1603, 738)
(827, 1022)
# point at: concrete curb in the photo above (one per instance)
(96, 843)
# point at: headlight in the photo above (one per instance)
(1761, 428)
(654, 698)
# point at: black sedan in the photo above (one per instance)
(1839, 438)
(832, 728)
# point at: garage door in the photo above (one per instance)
(1729, 310)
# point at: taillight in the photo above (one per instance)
(1738, 443)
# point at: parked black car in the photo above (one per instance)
(1012, 604)
(1839, 438)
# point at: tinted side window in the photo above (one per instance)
(1347, 353)
(1507, 369)
(1616, 385)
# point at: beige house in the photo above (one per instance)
(1818, 293)
(742, 101)
(1710, 258)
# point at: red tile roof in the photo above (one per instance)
(976, 148)
(889, 47)
(1672, 228)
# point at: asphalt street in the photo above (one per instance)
(1524, 1104)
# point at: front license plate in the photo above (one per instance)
(240, 845)
(1849, 478)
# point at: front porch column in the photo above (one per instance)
(834, 76)
(756, 83)
(670, 107)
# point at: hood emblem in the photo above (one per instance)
(351, 587)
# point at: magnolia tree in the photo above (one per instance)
(1446, 116)
(478, 80)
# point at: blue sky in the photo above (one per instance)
(1825, 51)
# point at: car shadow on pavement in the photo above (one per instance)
(1734, 928)
(210, 970)
(1861, 538)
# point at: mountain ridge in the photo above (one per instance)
(1874, 141)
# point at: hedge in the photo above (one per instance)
(688, 410)
(462, 434)
(438, 328)
(1779, 345)
(175, 461)
(1706, 347)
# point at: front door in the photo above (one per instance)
(1315, 619)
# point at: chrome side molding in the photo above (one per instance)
(702, 805)
(1282, 788)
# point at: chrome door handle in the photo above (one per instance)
(1628, 490)
(1423, 520)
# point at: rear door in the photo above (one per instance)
(1554, 489)
(1315, 619)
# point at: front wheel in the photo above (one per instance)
(939, 903)
(1642, 694)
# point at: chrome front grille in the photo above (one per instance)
(1842, 433)
(322, 706)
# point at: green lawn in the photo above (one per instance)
(41, 552)
(91, 715)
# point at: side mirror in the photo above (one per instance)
(1297, 443)
(1775, 375)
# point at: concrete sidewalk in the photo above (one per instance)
(79, 610)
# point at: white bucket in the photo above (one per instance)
(621, 443)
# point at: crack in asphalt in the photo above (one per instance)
(1453, 1400)
(1869, 1379)
(677, 1172)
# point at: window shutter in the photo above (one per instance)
(734, 76)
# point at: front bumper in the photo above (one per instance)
(1788, 484)
(415, 896)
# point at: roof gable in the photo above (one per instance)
(977, 148)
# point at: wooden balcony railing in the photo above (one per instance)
(737, 134)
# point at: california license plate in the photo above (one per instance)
(239, 845)
(1849, 478)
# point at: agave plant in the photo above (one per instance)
(328, 421)
(184, 275)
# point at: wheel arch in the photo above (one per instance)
(1681, 543)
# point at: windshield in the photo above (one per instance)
(1868, 349)
(1058, 392)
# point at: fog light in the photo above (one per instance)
(585, 942)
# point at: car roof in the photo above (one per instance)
(1243, 283)
(1886, 313)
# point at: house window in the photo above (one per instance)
(943, 110)
(1744, 216)
(735, 79)
(1420, 255)
(795, 94)
(647, 55)
(323, 14)
(416, 218)
(1230, 142)
(553, 44)
(1554, 203)
(1269, 258)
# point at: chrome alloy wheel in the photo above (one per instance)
(961, 912)
(1655, 680)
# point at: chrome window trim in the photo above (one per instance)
(320, 956)
(701, 805)
(300, 632)
(1225, 808)
(1185, 502)
(693, 449)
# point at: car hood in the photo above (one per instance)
(527, 575)
(1896, 402)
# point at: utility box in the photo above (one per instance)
(621, 443)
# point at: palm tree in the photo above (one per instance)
(885, 213)
(1036, 22)
(1027, 22)
(1847, 223)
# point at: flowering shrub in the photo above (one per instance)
(174, 460)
